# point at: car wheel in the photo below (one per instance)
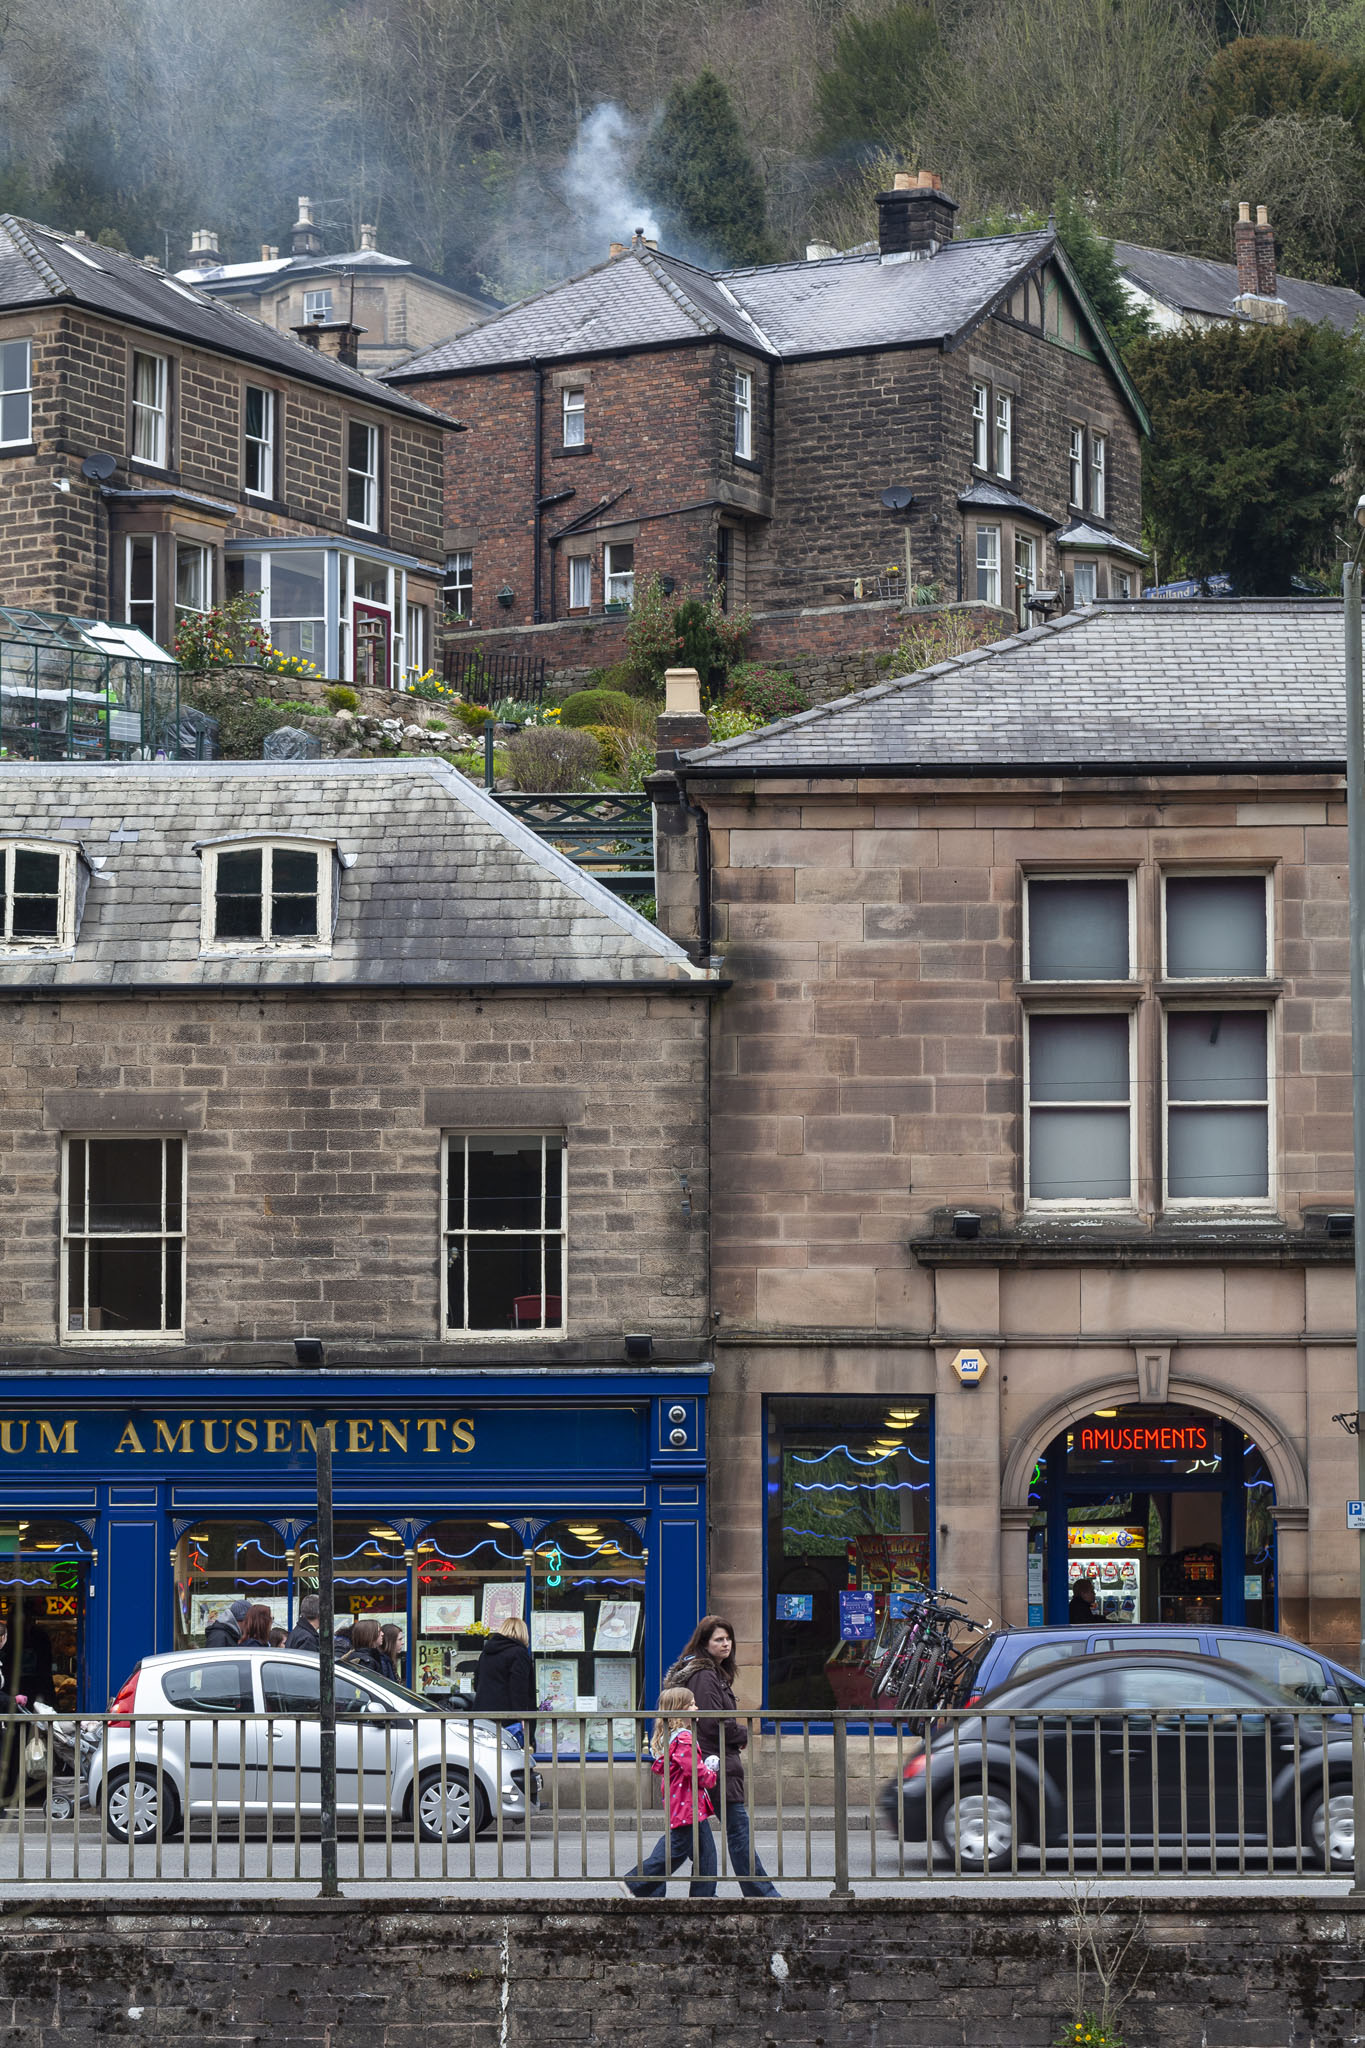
(443, 1815)
(976, 1829)
(1330, 1828)
(150, 1810)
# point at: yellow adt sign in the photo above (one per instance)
(971, 1366)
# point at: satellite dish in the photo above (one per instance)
(898, 499)
(99, 467)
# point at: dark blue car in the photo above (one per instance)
(1014, 1653)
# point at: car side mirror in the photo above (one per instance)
(1330, 1697)
(376, 1707)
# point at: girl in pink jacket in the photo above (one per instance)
(688, 1780)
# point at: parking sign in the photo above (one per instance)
(1355, 1514)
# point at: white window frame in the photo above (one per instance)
(744, 415)
(369, 475)
(414, 639)
(981, 398)
(1216, 874)
(24, 390)
(618, 576)
(580, 572)
(264, 442)
(990, 567)
(1099, 473)
(535, 1331)
(318, 305)
(1122, 582)
(203, 555)
(65, 937)
(1076, 464)
(290, 946)
(1025, 576)
(574, 416)
(151, 418)
(173, 1334)
(1091, 570)
(1245, 1205)
(146, 626)
(1125, 875)
(1003, 436)
(459, 575)
(1109, 1204)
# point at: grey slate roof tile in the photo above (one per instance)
(1237, 684)
(1195, 284)
(446, 886)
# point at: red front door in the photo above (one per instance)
(371, 628)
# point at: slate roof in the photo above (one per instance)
(985, 495)
(645, 298)
(446, 887)
(38, 266)
(1080, 533)
(1147, 688)
(1195, 284)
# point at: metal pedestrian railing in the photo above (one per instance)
(842, 1807)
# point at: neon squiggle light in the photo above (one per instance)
(854, 1458)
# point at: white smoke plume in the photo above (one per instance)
(597, 182)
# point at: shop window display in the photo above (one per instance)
(369, 1573)
(587, 1628)
(850, 1520)
(470, 1576)
(219, 1562)
(44, 1568)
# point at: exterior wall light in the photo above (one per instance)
(507, 597)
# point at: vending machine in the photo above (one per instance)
(1111, 1555)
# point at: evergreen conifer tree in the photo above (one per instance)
(696, 168)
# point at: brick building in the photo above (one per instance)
(1037, 1045)
(769, 425)
(343, 1051)
(398, 308)
(159, 452)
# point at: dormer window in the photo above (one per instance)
(273, 895)
(37, 896)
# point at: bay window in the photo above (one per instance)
(988, 564)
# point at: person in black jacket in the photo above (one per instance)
(304, 1634)
(364, 1653)
(707, 1667)
(224, 1632)
(505, 1680)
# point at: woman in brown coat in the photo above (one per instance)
(707, 1667)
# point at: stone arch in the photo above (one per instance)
(1119, 1390)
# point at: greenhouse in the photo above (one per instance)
(79, 690)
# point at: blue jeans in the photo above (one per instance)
(668, 1853)
(739, 1841)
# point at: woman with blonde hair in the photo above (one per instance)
(505, 1680)
(688, 1782)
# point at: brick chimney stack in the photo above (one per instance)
(1244, 243)
(1267, 283)
(1258, 289)
(682, 723)
(915, 218)
(306, 241)
(339, 339)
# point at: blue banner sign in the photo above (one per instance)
(425, 1437)
(857, 1617)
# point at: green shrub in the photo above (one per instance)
(340, 697)
(473, 717)
(596, 707)
(243, 722)
(608, 738)
(543, 757)
(766, 693)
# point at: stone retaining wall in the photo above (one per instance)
(906, 1972)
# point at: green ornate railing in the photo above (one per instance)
(610, 837)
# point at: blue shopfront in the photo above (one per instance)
(132, 1515)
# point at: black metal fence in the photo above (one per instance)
(486, 678)
(575, 1799)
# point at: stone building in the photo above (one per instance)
(1037, 1051)
(396, 308)
(1177, 291)
(927, 411)
(159, 452)
(342, 1052)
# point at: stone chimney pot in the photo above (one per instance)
(915, 218)
(1262, 217)
(682, 693)
(615, 249)
(902, 182)
(369, 236)
(1243, 210)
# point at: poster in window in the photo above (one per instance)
(558, 1634)
(614, 1680)
(617, 1623)
(556, 1684)
(447, 1614)
(503, 1600)
(433, 1667)
(796, 1606)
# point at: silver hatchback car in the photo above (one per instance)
(237, 1733)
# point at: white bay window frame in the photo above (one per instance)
(988, 564)
(744, 415)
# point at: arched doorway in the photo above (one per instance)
(1168, 1510)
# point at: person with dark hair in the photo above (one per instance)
(224, 1632)
(391, 1649)
(256, 1628)
(364, 1653)
(277, 1637)
(1083, 1608)
(707, 1666)
(304, 1634)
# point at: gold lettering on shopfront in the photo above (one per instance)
(462, 1434)
(7, 1430)
(272, 1435)
(173, 1440)
(210, 1424)
(129, 1441)
(357, 1441)
(308, 1436)
(397, 1430)
(430, 1423)
(62, 1439)
(223, 1435)
(246, 1436)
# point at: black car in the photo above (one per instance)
(1007, 1654)
(1137, 1753)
